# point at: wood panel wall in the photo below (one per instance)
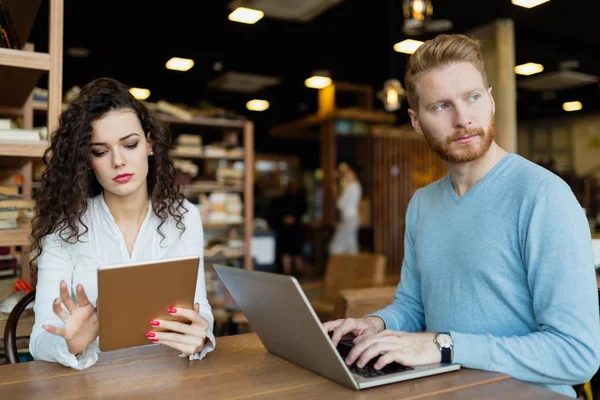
(402, 163)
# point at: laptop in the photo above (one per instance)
(282, 317)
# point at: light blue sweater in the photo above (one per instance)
(508, 270)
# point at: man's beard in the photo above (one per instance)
(459, 153)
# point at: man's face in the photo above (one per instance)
(455, 112)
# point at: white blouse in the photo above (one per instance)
(104, 244)
(349, 200)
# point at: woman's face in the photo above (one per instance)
(119, 153)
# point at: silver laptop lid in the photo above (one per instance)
(283, 319)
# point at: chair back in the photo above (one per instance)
(352, 271)
(10, 331)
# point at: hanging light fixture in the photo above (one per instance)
(391, 95)
(416, 14)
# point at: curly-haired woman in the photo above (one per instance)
(109, 196)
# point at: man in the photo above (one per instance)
(498, 272)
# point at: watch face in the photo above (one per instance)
(444, 340)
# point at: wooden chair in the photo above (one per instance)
(10, 331)
(359, 302)
(346, 271)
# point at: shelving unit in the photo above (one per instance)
(246, 128)
(20, 71)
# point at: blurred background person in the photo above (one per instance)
(345, 238)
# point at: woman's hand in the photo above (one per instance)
(81, 321)
(187, 338)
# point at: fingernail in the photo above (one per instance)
(150, 334)
(154, 340)
(171, 310)
(154, 323)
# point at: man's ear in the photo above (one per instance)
(414, 120)
(493, 102)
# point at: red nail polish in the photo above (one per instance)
(171, 310)
(154, 340)
(150, 334)
(154, 323)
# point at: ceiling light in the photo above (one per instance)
(245, 15)
(407, 46)
(528, 3)
(529, 68)
(139, 93)
(179, 64)
(318, 82)
(257, 105)
(572, 106)
(391, 95)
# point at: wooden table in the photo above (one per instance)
(240, 368)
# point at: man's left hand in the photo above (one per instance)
(409, 349)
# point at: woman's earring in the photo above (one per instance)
(151, 153)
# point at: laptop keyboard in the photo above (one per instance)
(369, 371)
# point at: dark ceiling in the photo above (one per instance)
(131, 41)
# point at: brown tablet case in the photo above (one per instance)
(131, 295)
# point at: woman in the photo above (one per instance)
(109, 196)
(345, 238)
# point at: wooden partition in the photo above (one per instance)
(402, 163)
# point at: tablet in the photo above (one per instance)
(131, 295)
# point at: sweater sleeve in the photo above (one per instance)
(557, 252)
(406, 311)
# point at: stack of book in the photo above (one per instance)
(14, 207)
(9, 131)
(188, 145)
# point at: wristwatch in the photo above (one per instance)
(446, 346)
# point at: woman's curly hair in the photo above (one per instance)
(68, 181)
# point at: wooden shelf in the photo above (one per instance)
(20, 71)
(203, 121)
(39, 105)
(220, 226)
(22, 148)
(16, 237)
(212, 188)
(206, 157)
(24, 59)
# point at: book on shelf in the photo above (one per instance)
(8, 217)
(14, 208)
(20, 134)
(187, 151)
(8, 190)
(174, 110)
(7, 123)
